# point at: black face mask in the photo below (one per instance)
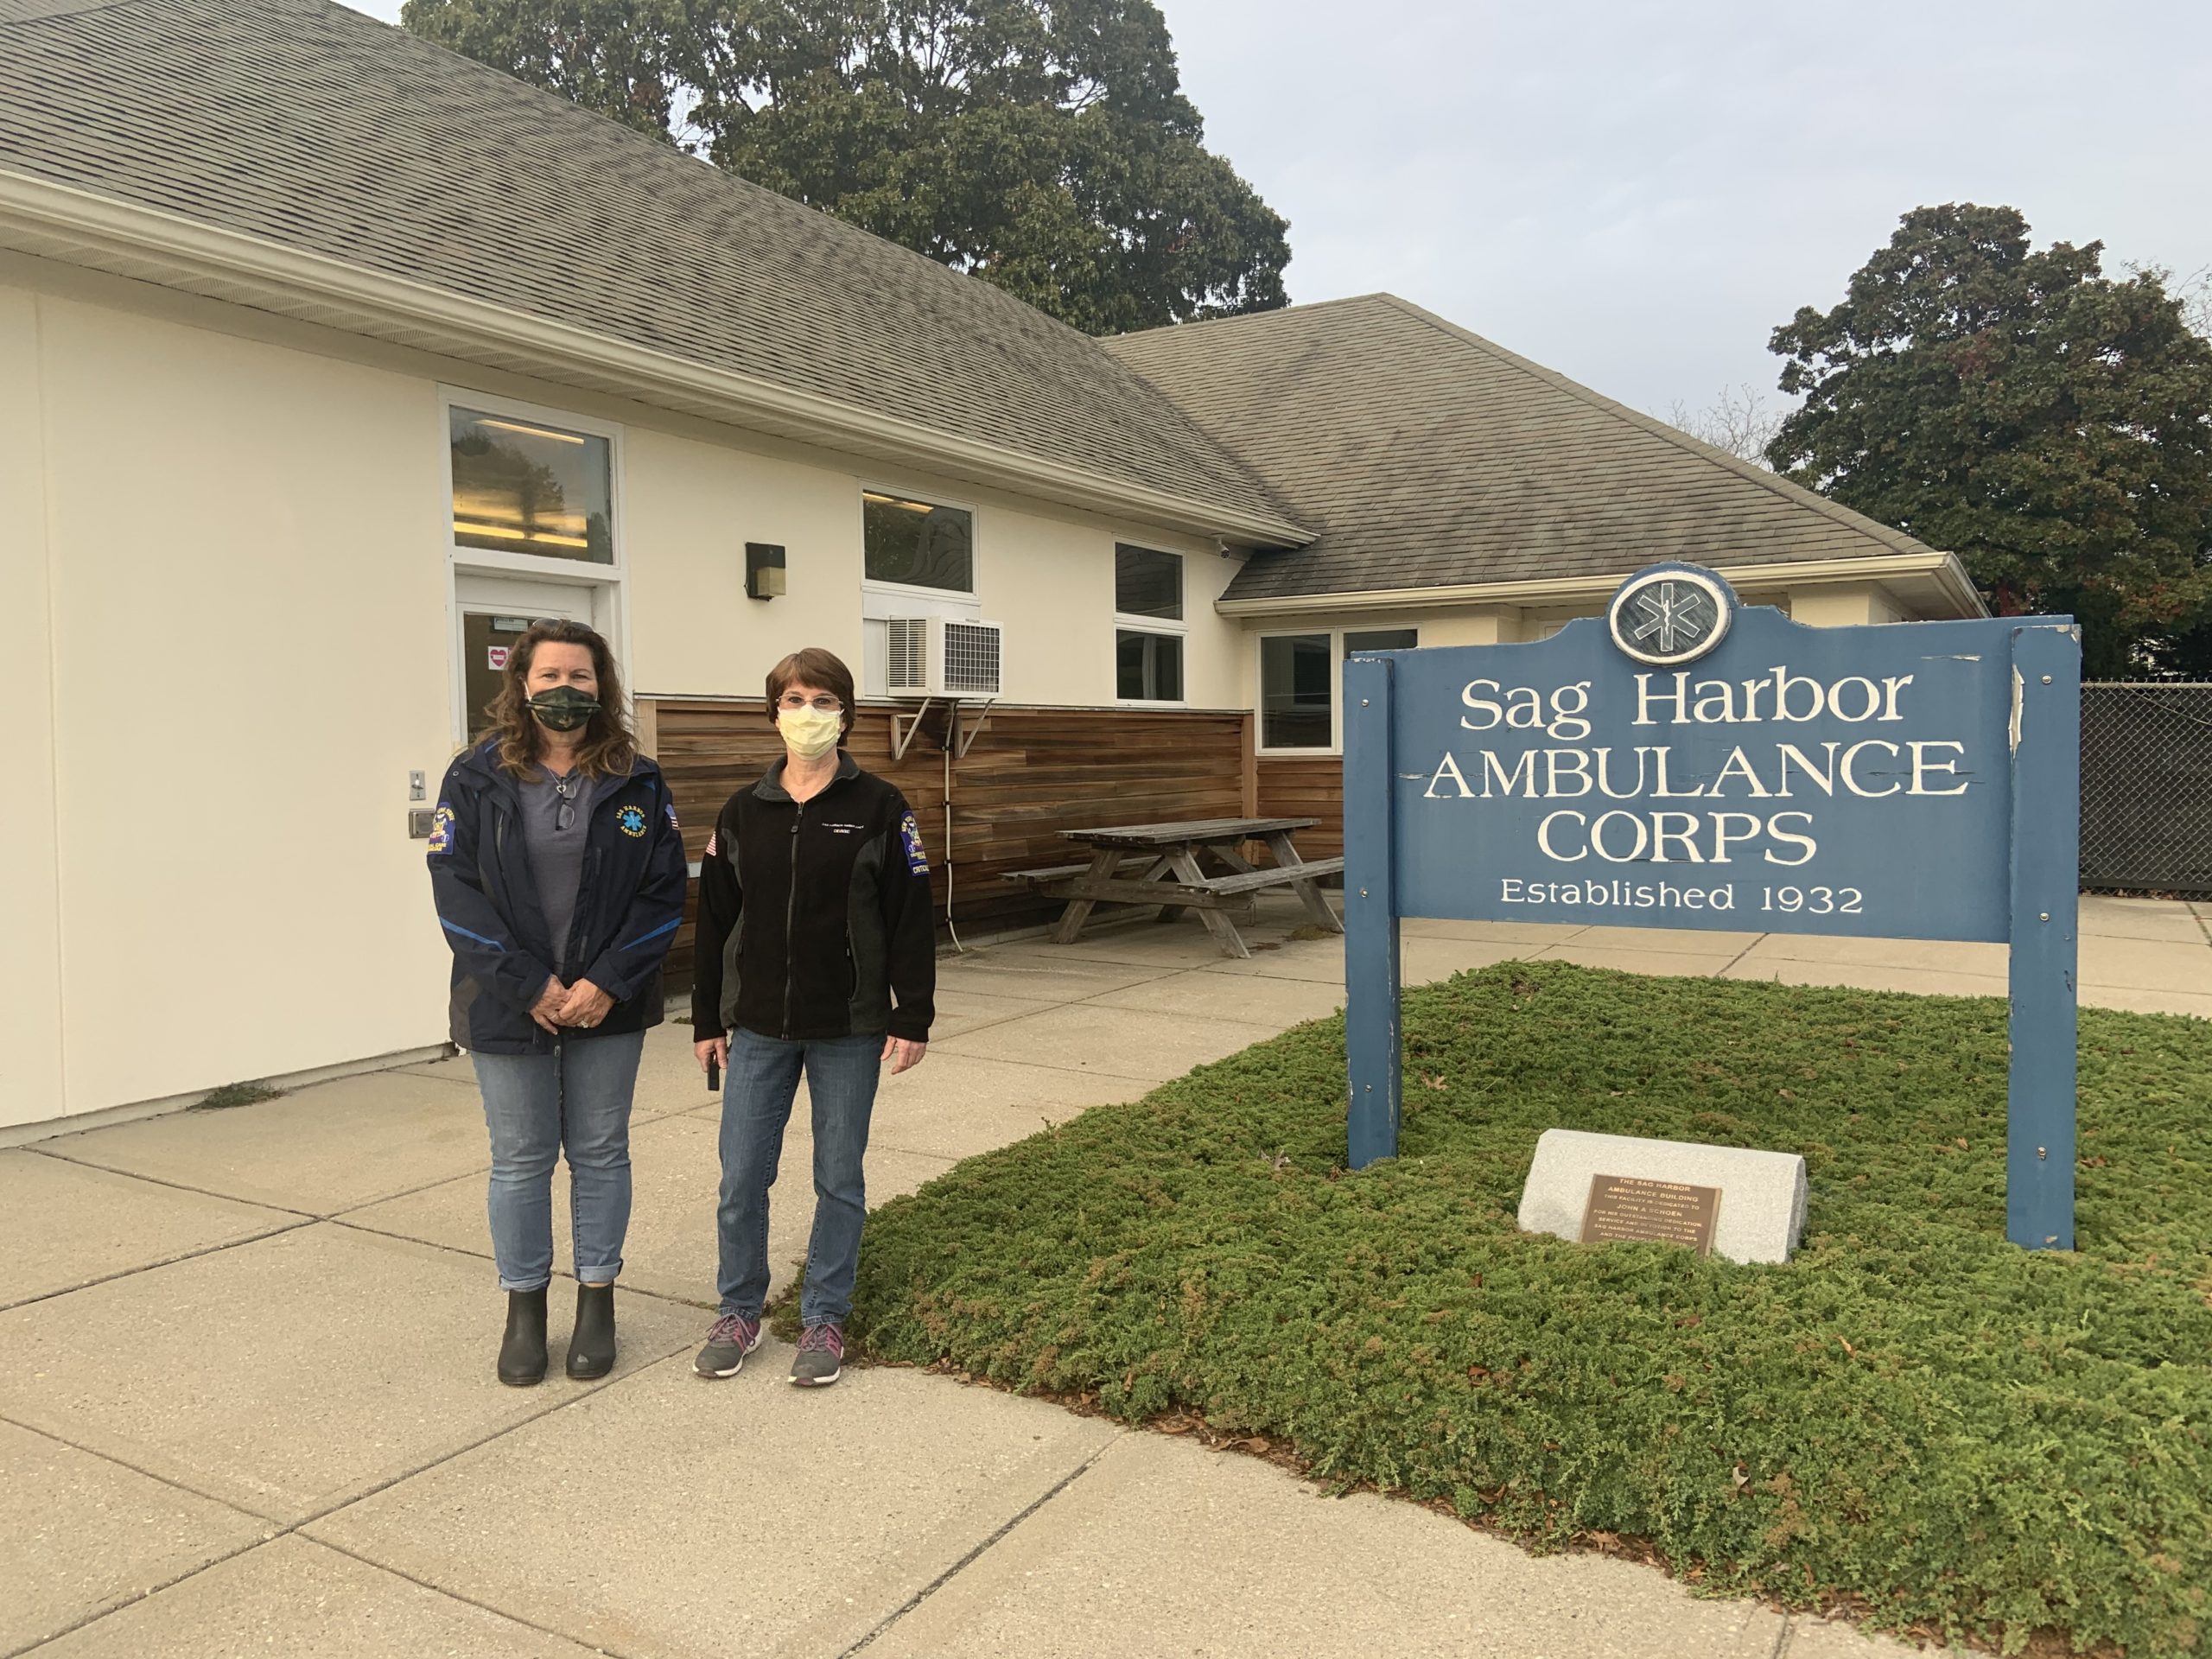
(564, 709)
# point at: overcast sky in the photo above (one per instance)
(1635, 194)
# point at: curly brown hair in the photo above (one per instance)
(608, 745)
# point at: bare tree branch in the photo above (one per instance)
(2194, 294)
(1738, 420)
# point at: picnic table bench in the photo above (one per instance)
(1159, 864)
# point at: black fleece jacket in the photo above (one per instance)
(814, 916)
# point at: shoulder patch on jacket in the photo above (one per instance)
(910, 837)
(713, 836)
(672, 823)
(441, 829)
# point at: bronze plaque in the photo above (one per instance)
(1627, 1206)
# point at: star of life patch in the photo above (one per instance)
(910, 834)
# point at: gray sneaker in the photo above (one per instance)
(821, 1357)
(733, 1337)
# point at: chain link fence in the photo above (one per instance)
(2146, 787)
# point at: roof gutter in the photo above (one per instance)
(149, 244)
(1931, 576)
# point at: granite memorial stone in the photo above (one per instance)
(1744, 1206)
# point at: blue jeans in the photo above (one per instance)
(757, 1095)
(576, 1098)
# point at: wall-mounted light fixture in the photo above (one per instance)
(764, 570)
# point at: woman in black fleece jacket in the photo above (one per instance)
(817, 951)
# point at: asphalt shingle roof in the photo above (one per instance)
(315, 127)
(1425, 456)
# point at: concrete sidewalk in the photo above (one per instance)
(246, 1399)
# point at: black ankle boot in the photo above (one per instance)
(591, 1349)
(522, 1352)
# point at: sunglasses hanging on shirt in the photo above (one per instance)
(567, 788)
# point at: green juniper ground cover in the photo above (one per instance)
(1914, 1418)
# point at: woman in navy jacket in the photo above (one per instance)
(559, 878)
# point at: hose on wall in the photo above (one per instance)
(950, 728)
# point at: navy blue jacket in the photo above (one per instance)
(629, 903)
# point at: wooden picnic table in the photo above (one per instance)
(1159, 864)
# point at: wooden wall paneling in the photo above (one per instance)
(1299, 787)
(1031, 773)
(1250, 764)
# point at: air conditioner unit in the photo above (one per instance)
(941, 656)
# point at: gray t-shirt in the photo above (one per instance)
(556, 856)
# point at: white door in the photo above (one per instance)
(492, 613)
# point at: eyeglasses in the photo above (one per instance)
(567, 788)
(822, 705)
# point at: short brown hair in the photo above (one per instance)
(608, 747)
(814, 666)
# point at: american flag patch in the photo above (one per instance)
(711, 834)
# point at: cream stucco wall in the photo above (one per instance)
(691, 504)
(231, 592)
(1843, 605)
(689, 508)
(31, 1086)
(1216, 678)
(1049, 581)
(248, 652)
(691, 501)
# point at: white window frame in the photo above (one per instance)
(607, 584)
(1336, 744)
(1336, 636)
(533, 564)
(969, 603)
(1130, 625)
(1164, 626)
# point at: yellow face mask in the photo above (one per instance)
(809, 733)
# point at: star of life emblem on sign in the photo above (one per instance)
(1669, 615)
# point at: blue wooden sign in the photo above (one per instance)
(1685, 761)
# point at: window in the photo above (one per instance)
(1147, 667)
(522, 486)
(1147, 584)
(1296, 686)
(917, 544)
(1147, 660)
(1381, 639)
(1298, 676)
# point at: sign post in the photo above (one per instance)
(1686, 762)
(2046, 863)
(1371, 1036)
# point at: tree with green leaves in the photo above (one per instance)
(2049, 424)
(1043, 145)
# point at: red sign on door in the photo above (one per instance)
(498, 656)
